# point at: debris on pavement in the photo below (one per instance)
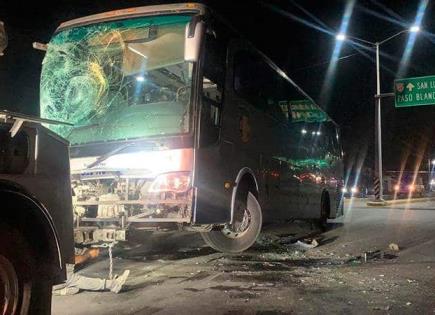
(304, 246)
(265, 239)
(281, 274)
(394, 247)
(382, 308)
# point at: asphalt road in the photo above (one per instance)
(351, 271)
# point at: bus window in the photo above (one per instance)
(255, 81)
(333, 140)
(251, 75)
(261, 86)
(213, 82)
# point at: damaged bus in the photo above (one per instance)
(179, 123)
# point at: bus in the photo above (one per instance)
(181, 123)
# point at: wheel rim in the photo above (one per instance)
(8, 287)
(240, 224)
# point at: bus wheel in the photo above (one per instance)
(242, 232)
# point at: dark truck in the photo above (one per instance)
(36, 233)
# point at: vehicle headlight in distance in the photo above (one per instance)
(396, 187)
(354, 190)
(411, 187)
(344, 190)
(177, 182)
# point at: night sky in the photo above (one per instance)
(287, 31)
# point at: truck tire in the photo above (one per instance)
(22, 291)
(242, 233)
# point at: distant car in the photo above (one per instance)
(353, 191)
(405, 188)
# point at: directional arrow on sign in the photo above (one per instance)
(410, 86)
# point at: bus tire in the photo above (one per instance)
(21, 290)
(229, 240)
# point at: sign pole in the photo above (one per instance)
(378, 184)
(428, 174)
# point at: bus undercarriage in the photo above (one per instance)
(107, 202)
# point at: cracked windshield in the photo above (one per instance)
(118, 80)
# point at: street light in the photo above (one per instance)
(378, 121)
(140, 78)
(414, 29)
(340, 37)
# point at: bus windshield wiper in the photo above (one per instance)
(109, 154)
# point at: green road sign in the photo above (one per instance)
(414, 91)
(304, 111)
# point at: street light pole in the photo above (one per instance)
(379, 191)
(378, 180)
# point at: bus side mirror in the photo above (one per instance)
(39, 46)
(3, 38)
(192, 42)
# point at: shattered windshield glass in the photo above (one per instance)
(118, 80)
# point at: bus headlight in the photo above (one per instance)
(177, 182)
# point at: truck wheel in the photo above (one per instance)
(21, 291)
(242, 233)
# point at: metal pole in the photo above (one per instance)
(429, 170)
(378, 128)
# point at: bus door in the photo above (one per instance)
(214, 154)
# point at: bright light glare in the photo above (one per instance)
(318, 133)
(340, 37)
(406, 56)
(329, 78)
(140, 78)
(153, 162)
(303, 131)
(433, 162)
(397, 187)
(414, 29)
(171, 182)
(344, 190)
(354, 190)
